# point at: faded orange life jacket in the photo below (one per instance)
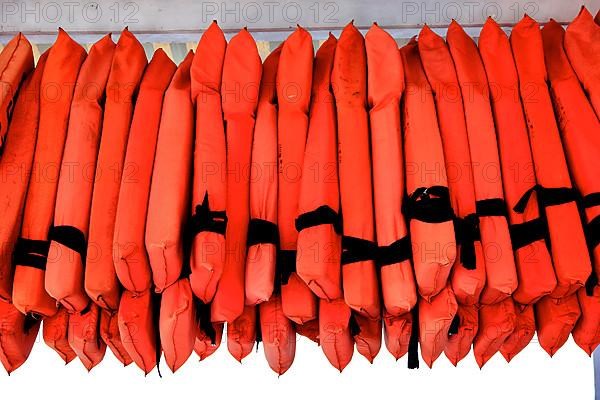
(349, 80)
(55, 330)
(278, 335)
(209, 191)
(109, 332)
(335, 333)
(463, 330)
(555, 319)
(367, 335)
(57, 87)
(567, 241)
(496, 323)
(521, 335)
(428, 205)
(84, 336)
(18, 334)
(262, 229)
(586, 332)
(318, 223)
(68, 235)
(129, 62)
(468, 273)
(527, 229)
(385, 88)
(241, 333)
(129, 250)
(396, 333)
(242, 69)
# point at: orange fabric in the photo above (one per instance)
(65, 266)
(126, 71)
(241, 333)
(433, 244)
(467, 280)
(168, 203)
(435, 318)
(349, 80)
(385, 87)
(501, 275)
(459, 343)
(396, 333)
(18, 334)
(334, 332)
(16, 61)
(294, 82)
(136, 322)
(582, 45)
(278, 335)
(55, 331)
(568, 247)
(521, 335)
(84, 336)
(204, 345)
(587, 330)
(261, 257)
(177, 323)
(578, 124)
(19, 150)
(242, 70)
(368, 336)
(533, 262)
(57, 89)
(496, 323)
(129, 250)
(109, 332)
(320, 246)
(555, 319)
(209, 187)
(309, 330)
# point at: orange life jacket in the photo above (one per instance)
(241, 333)
(496, 323)
(527, 229)
(209, 192)
(137, 320)
(262, 228)
(318, 222)
(501, 275)
(84, 336)
(468, 273)
(294, 82)
(16, 61)
(385, 87)
(109, 332)
(463, 330)
(57, 87)
(567, 242)
(586, 332)
(68, 236)
(521, 335)
(18, 334)
(396, 333)
(208, 335)
(582, 45)
(242, 69)
(349, 80)
(428, 205)
(129, 62)
(18, 151)
(278, 335)
(335, 333)
(55, 331)
(129, 250)
(367, 335)
(309, 330)
(555, 319)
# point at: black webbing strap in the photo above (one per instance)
(31, 253)
(261, 231)
(466, 231)
(546, 197)
(156, 299)
(353, 325)
(357, 249)
(205, 220)
(525, 233)
(71, 237)
(397, 252)
(203, 320)
(591, 200)
(431, 204)
(323, 215)
(286, 265)
(491, 208)
(413, 344)
(454, 325)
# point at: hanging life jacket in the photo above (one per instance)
(335, 333)
(18, 333)
(84, 336)
(278, 335)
